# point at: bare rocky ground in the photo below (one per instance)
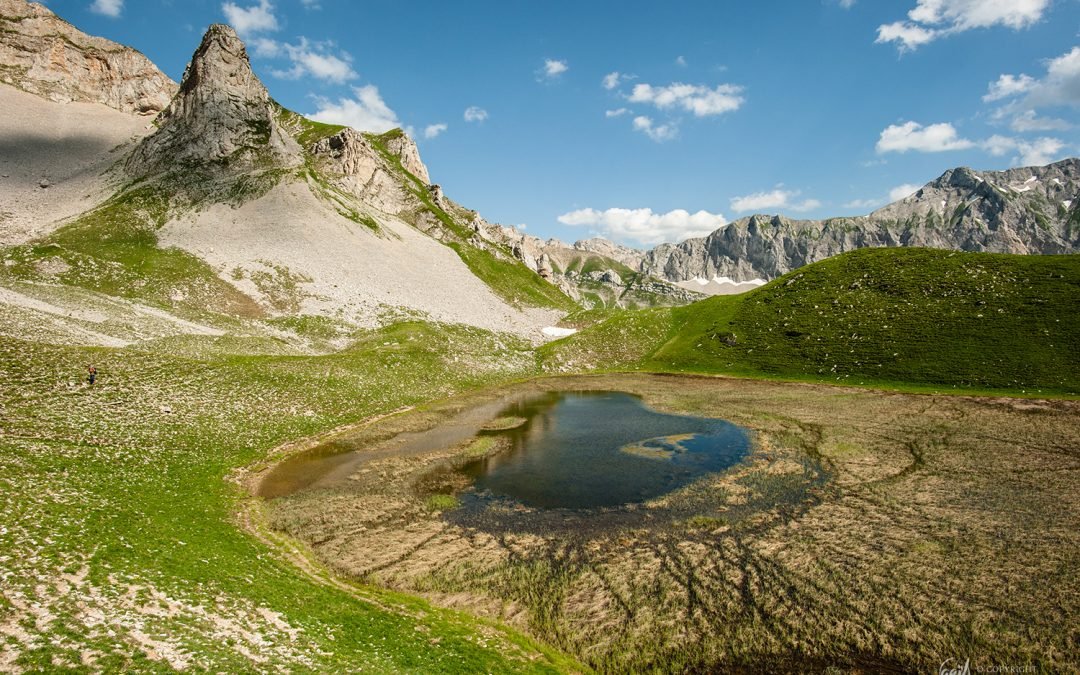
(342, 268)
(867, 531)
(52, 160)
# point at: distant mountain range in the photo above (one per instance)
(1025, 210)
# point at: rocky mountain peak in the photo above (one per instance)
(405, 149)
(222, 116)
(45, 55)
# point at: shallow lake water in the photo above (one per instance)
(581, 450)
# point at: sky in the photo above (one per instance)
(647, 122)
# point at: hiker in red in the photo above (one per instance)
(92, 374)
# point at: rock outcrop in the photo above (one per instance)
(44, 55)
(404, 148)
(631, 257)
(1026, 210)
(221, 119)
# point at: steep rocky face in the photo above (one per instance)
(404, 148)
(42, 54)
(221, 118)
(1027, 210)
(350, 161)
(631, 257)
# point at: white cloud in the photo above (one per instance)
(475, 114)
(111, 8)
(847, 4)
(266, 48)
(552, 69)
(960, 15)
(1028, 121)
(773, 200)
(316, 60)
(644, 227)
(247, 21)
(1007, 86)
(366, 112)
(697, 99)
(680, 61)
(908, 35)
(903, 191)
(914, 136)
(611, 80)
(657, 132)
(1061, 86)
(933, 19)
(433, 130)
(618, 112)
(1028, 153)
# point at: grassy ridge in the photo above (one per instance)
(118, 547)
(914, 316)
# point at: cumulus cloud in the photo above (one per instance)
(680, 61)
(908, 35)
(258, 18)
(111, 8)
(933, 19)
(1035, 152)
(612, 80)
(773, 200)
(1028, 121)
(265, 47)
(700, 100)
(475, 114)
(1008, 85)
(903, 191)
(1059, 87)
(552, 69)
(618, 112)
(657, 132)
(642, 226)
(366, 112)
(433, 130)
(914, 136)
(316, 60)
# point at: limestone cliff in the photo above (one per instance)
(42, 54)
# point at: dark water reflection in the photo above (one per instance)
(582, 450)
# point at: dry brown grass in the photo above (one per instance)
(870, 531)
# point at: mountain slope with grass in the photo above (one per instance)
(904, 316)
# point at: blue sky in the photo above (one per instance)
(648, 121)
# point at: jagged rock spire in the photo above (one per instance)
(222, 117)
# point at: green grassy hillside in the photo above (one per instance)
(911, 316)
(120, 546)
